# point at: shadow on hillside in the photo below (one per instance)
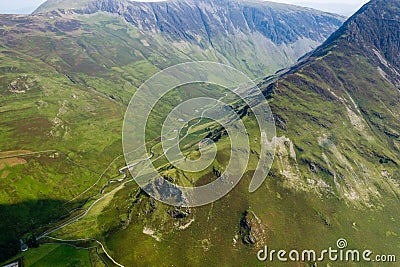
(26, 220)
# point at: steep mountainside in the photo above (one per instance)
(67, 74)
(335, 175)
(254, 36)
(347, 141)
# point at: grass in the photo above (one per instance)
(290, 221)
(49, 113)
(49, 255)
(81, 116)
(297, 216)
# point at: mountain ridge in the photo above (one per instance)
(357, 69)
(255, 38)
(250, 16)
(335, 173)
(356, 31)
(65, 81)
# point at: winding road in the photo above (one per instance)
(122, 180)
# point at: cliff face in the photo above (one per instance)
(257, 37)
(223, 18)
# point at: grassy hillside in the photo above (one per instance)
(65, 81)
(335, 174)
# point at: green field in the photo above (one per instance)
(55, 255)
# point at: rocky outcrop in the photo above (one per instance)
(251, 229)
(178, 213)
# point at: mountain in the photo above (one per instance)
(68, 73)
(353, 82)
(335, 175)
(102, 43)
(258, 37)
(69, 69)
